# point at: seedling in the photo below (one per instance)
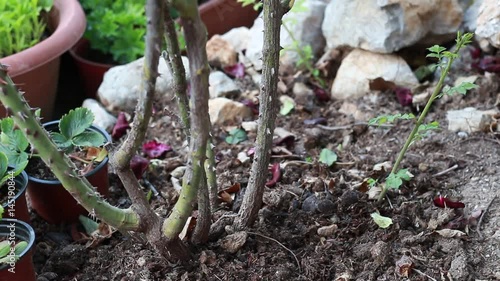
(10, 251)
(13, 147)
(420, 130)
(327, 157)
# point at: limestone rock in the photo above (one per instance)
(223, 110)
(222, 86)
(102, 118)
(359, 67)
(120, 88)
(386, 26)
(488, 22)
(238, 38)
(220, 53)
(469, 119)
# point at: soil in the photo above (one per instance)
(316, 223)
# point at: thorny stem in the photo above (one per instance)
(196, 39)
(421, 118)
(252, 201)
(210, 172)
(59, 163)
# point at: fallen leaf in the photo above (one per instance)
(450, 233)
(327, 157)
(121, 126)
(404, 96)
(237, 70)
(154, 149)
(233, 242)
(188, 228)
(381, 221)
(276, 172)
(404, 266)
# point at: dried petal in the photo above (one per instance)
(154, 149)
(139, 165)
(237, 70)
(120, 127)
(253, 106)
(404, 96)
(321, 94)
(276, 171)
(443, 202)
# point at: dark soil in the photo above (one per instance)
(316, 224)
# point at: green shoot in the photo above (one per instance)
(420, 130)
(327, 157)
(256, 4)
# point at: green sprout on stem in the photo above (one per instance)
(445, 60)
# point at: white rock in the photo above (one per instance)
(224, 110)
(469, 119)
(488, 22)
(359, 67)
(249, 126)
(220, 53)
(386, 26)
(120, 88)
(102, 118)
(222, 86)
(470, 16)
(255, 43)
(238, 38)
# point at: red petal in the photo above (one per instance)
(154, 149)
(139, 165)
(253, 106)
(237, 70)
(120, 127)
(321, 94)
(276, 171)
(404, 96)
(443, 202)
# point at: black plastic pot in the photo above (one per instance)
(23, 269)
(16, 208)
(53, 202)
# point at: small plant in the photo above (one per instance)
(10, 250)
(327, 157)
(13, 146)
(420, 130)
(22, 25)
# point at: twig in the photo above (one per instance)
(478, 227)
(423, 274)
(454, 167)
(338, 128)
(279, 243)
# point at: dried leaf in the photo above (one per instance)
(139, 165)
(404, 96)
(321, 94)
(443, 202)
(450, 233)
(381, 221)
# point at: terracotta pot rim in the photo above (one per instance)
(4, 223)
(70, 22)
(24, 185)
(95, 170)
(74, 52)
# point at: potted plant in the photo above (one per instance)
(105, 45)
(35, 66)
(76, 136)
(17, 239)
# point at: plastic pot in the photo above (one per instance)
(16, 207)
(23, 269)
(53, 202)
(219, 17)
(36, 69)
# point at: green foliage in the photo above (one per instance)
(382, 119)
(236, 136)
(395, 180)
(287, 107)
(21, 24)
(13, 145)
(381, 221)
(327, 157)
(460, 89)
(5, 250)
(256, 4)
(73, 131)
(116, 28)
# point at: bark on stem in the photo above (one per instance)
(196, 38)
(252, 201)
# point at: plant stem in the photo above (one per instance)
(203, 221)
(59, 163)
(211, 175)
(420, 120)
(252, 201)
(196, 39)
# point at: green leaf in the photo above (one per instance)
(90, 225)
(20, 247)
(236, 136)
(395, 181)
(1, 213)
(75, 122)
(327, 157)
(381, 221)
(4, 165)
(287, 106)
(436, 49)
(89, 139)
(382, 119)
(4, 245)
(61, 141)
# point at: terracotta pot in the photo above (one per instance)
(219, 16)
(23, 269)
(17, 207)
(53, 202)
(36, 70)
